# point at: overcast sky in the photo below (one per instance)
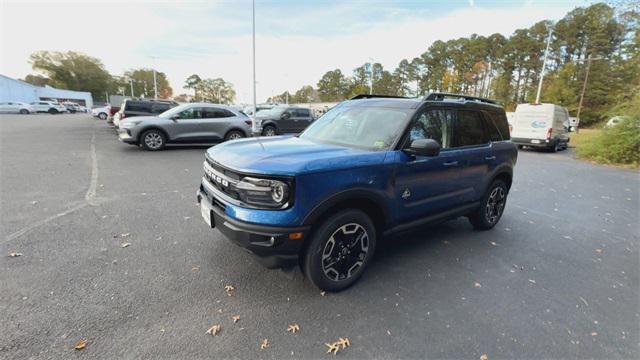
(296, 41)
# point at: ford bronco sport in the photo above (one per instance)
(371, 166)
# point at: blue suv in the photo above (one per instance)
(370, 167)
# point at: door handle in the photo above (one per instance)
(490, 158)
(450, 163)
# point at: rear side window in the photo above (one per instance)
(138, 106)
(468, 130)
(303, 112)
(215, 113)
(159, 108)
(499, 120)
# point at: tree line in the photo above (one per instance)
(77, 71)
(508, 68)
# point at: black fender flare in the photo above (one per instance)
(344, 197)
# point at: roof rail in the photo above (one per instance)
(438, 96)
(373, 96)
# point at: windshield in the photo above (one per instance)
(174, 111)
(371, 128)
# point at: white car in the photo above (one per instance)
(101, 113)
(541, 126)
(16, 107)
(49, 107)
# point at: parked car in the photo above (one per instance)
(71, 107)
(101, 112)
(49, 107)
(541, 126)
(249, 109)
(283, 119)
(369, 167)
(16, 107)
(614, 121)
(193, 123)
(136, 107)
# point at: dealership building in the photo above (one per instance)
(18, 90)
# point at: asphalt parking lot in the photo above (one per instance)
(557, 278)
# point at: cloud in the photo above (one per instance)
(295, 44)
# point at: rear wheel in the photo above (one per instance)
(339, 250)
(269, 130)
(52, 111)
(491, 207)
(153, 140)
(233, 135)
(24, 111)
(102, 116)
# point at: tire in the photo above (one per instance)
(24, 111)
(520, 147)
(555, 147)
(491, 207)
(327, 261)
(153, 140)
(269, 130)
(234, 135)
(53, 111)
(102, 116)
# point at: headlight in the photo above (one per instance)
(263, 192)
(129, 124)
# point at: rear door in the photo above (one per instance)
(428, 185)
(303, 119)
(216, 122)
(471, 143)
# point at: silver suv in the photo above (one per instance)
(194, 123)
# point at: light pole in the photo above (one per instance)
(544, 65)
(584, 84)
(254, 127)
(155, 83)
(131, 83)
(371, 77)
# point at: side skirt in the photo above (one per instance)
(436, 218)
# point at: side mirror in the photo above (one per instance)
(175, 117)
(423, 147)
(285, 115)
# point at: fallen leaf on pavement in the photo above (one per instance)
(333, 348)
(477, 284)
(195, 268)
(125, 235)
(80, 344)
(15, 254)
(484, 357)
(235, 319)
(344, 342)
(293, 328)
(599, 251)
(594, 334)
(214, 330)
(532, 281)
(229, 289)
(494, 243)
(322, 293)
(264, 344)
(125, 245)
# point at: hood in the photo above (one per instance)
(289, 156)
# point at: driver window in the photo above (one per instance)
(433, 124)
(192, 113)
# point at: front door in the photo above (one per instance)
(425, 185)
(187, 127)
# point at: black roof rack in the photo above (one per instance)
(441, 96)
(373, 96)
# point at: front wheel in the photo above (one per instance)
(24, 111)
(491, 207)
(269, 131)
(153, 140)
(340, 250)
(52, 111)
(102, 116)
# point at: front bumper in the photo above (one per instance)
(540, 143)
(270, 245)
(125, 136)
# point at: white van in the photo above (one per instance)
(541, 125)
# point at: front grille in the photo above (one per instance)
(224, 180)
